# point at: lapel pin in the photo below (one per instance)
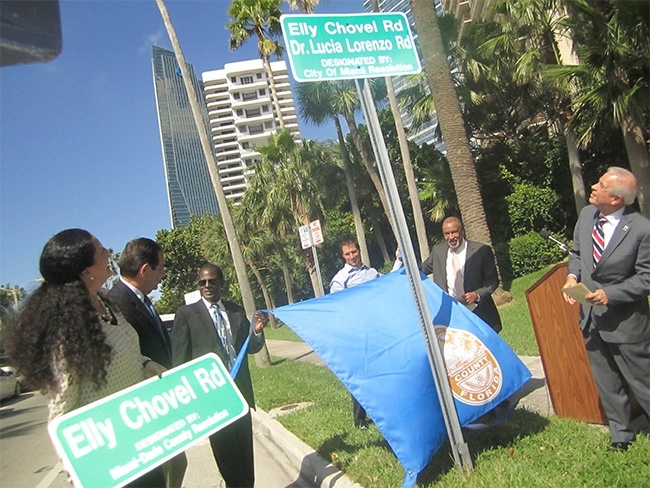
(626, 228)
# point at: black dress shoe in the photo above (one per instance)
(619, 446)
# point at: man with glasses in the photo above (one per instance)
(218, 326)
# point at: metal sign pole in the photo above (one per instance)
(460, 449)
(315, 254)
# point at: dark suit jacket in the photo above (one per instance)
(623, 272)
(194, 335)
(153, 344)
(480, 276)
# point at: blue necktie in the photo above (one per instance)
(220, 325)
(156, 317)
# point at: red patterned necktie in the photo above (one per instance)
(598, 238)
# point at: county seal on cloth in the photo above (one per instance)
(371, 338)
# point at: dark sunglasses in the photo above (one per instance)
(211, 281)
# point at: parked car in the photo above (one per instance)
(9, 384)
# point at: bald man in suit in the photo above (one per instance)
(476, 266)
(195, 333)
(611, 257)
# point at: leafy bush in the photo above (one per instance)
(533, 208)
(526, 254)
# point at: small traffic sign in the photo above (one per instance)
(316, 232)
(349, 46)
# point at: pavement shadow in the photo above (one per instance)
(523, 423)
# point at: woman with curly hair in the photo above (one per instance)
(69, 342)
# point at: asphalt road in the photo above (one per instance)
(27, 457)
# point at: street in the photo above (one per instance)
(27, 457)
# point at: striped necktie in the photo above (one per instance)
(598, 239)
(220, 325)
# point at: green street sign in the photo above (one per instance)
(113, 441)
(349, 46)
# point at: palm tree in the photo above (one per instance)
(260, 18)
(237, 258)
(525, 39)
(316, 102)
(284, 187)
(306, 6)
(613, 46)
(451, 122)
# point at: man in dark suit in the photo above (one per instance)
(221, 327)
(142, 266)
(466, 270)
(611, 257)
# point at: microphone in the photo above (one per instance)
(546, 235)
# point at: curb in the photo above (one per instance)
(288, 450)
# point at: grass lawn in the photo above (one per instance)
(529, 450)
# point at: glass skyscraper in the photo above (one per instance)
(189, 187)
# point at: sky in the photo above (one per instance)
(79, 139)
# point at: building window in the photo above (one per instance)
(246, 80)
(253, 112)
(259, 76)
(268, 125)
(245, 145)
(249, 96)
(240, 112)
(236, 96)
(233, 79)
(265, 109)
(255, 129)
(263, 92)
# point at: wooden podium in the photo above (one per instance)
(561, 346)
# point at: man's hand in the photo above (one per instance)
(570, 281)
(152, 368)
(469, 298)
(260, 321)
(598, 297)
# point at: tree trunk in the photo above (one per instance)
(367, 161)
(274, 93)
(376, 228)
(461, 162)
(206, 144)
(637, 155)
(418, 218)
(262, 358)
(285, 269)
(354, 203)
(575, 167)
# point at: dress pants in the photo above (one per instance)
(153, 479)
(358, 412)
(615, 367)
(232, 448)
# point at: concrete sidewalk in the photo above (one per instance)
(283, 460)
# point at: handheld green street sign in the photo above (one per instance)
(349, 46)
(113, 441)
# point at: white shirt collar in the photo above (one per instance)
(135, 290)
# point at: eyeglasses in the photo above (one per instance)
(211, 281)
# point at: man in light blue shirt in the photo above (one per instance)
(353, 273)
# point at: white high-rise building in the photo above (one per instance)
(242, 116)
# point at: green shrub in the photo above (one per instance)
(532, 208)
(526, 254)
